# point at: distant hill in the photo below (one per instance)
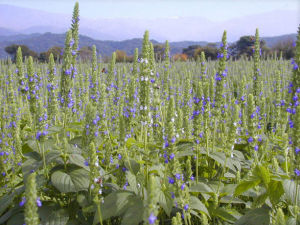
(271, 41)
(42, 42)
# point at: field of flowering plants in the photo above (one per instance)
(195, 143)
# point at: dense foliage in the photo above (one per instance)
(205, 142)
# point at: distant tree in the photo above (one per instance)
(85, 53)
(180, 57)
(245, 46)
(210, 51)
(12, 50)
(121, 56)
(158, 52)
(190, 50)
(56, 52)
(286, 48)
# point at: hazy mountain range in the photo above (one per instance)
(42, 42)
(18, 20)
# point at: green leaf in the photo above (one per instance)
(231, 199)
(289, 187)
(275, 191)
(246, 185)
(165, 200)
(73, 180)
(131, 178)
(78, 160)
(16, 219)
(255, 216)
(260, 200)
(220, 158)
(224, 215)
(195, 203)
(7, 199)
(53, 215)
(54, 156)
(115, 204)
(200, 187)
(263, 173)
(132, 165)
(134, 212)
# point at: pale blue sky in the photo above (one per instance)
(214, 10)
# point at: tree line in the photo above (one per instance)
(242, 48)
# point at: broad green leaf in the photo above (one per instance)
(132, 165)
(53, 215)
(275, 191)
(73, 180)
(246, 185)
(260, 200)
(7, 199)
(231, 199)
(131, 178)
(255, 216)
(289, 187)
(115, 204)
(200, 187)
(134, 213)
(263, 173)
(165, 200)
(16, 219)
(224, 215)
(195, 203)
(78, 160)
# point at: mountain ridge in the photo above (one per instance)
(42, 42)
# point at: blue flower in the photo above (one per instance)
(297, 172)
(38, 202)
(186, 207)
(22, 202)
(152, 218)
(177, 176)
(171, 180)
(250, 139)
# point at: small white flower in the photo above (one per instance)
(141, 107)
(151, 73)
(146, 78)
(231, 155)
(138, 185)
(146, 61)
(172, 119)
(96, 180)
(145, 108)
(100, 191)
(92, 186)
(177, 135)
(96, 164)
(142, 78)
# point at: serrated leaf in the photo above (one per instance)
(260, 200)
(246, 185)
(289, 187)
(78, 160)
(275, 191)
(224, 215)
(134, 212)
(200, 188)
(165, 200)
(131, 178)
(195, 203)
(263, 173)
(73, 180)
(255, 216)
(7, 199)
